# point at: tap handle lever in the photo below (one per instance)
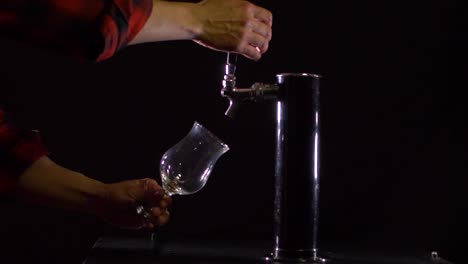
(231, 58)
(229, 81)
(231, 62)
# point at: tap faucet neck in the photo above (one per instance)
(236, 96)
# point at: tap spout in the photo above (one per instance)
(238, 96)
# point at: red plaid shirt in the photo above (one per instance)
(87, 30)
(84, 29)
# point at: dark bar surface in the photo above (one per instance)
(137, 250)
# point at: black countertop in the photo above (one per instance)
(142, 250)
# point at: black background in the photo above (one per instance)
(392, 128)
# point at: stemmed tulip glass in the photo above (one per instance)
(186, 167)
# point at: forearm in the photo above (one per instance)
(48, 183)
(228, 25)
(169, 21)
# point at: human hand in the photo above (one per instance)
(118, 204)
(234, 26)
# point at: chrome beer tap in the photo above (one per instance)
(297, 159)
(237, 96)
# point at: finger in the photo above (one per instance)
(149, 226)
(257, 40)
(152, 192)
(135, 221)
(156, 211)
(150, 185)
(159, 220)
(152, 218)
(168, 200)
(264, 48)
(147, 216)
(250, 51)
(152, 199)
(164, 218)
(261, 28)
(264, 15)
(165, 202)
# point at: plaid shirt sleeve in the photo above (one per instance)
(18, 150)
(88, 30)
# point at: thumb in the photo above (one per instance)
(148, 191)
